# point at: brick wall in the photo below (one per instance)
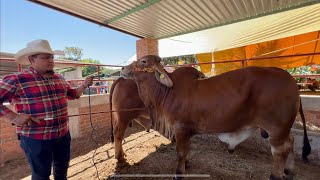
(9, 145)
(99, 121)
(146, 46)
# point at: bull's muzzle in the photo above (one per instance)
(126, 72)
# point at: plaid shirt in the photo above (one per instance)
(45, 99)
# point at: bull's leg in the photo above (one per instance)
(187, 165)
(282, 158)
(289, 166)
(119, 131)
(182, 145)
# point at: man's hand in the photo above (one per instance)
(88, 81)
(24, 120)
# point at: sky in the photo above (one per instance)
(22, 21)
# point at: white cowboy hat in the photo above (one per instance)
(33, 47)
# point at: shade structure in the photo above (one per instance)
(266, 54)
(161, 19)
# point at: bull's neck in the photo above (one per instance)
(153, 94)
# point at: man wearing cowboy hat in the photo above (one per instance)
(40, 98)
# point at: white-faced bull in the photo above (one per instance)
(232, 105)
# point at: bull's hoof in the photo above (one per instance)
(231, 151)
(148, 130)
(121, 160)
(187, 165)
(288, 174)
(177, 177)
(173, 139)
(273, 177)
(122, 164)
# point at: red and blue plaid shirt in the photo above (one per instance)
(43, 98)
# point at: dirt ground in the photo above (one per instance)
(150, 154)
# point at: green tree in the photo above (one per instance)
(174, 60)
(75, 54)
(90, 70)
(304, 70)
(72, 53)
(109, 71)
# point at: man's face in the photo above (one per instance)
(42, 62)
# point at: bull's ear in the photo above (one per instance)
(162, 76)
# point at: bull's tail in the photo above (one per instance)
(306, 149)
(110, 102)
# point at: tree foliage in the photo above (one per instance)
(109, 71)
(89, 70)
(76, 53)
(174, 60)
(73, 53)
(314, 69)
(305, 70)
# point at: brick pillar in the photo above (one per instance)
(147, 46)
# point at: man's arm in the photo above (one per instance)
(20, 119)
(81, 89)
(86, 83)
(7, 90)
(9, 116)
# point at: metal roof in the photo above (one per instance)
(167, 18)
(267, 28)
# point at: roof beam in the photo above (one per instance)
(132, 11)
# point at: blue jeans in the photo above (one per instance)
(42, 154)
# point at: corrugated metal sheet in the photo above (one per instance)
(267, 28)
(167, 18)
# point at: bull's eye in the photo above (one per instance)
(143, 62)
